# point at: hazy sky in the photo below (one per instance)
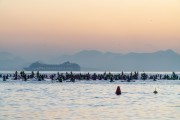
(68, 26)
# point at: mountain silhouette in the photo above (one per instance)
(93, 60)
(167, 60)
(9, 61)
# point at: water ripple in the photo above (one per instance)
(89, 100)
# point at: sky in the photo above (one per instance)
(55, 27)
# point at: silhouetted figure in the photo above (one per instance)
(118, 91)
(7, 76)
(111, 80)
(154, 78)
(25, 77)
(72, 79)
(144, 76)
(59, 79)
(37, 74)
(16, 75)
(4, 78)
(32, 74)
(155, 92)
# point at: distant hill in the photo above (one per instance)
(9, 61)
(94, 60)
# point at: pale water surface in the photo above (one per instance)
(89, 100)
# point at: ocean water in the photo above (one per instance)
(89, 100)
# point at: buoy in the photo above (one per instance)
(155, 92)
(118, 91)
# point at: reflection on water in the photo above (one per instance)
(89, 100)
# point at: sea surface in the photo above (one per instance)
(89, 100)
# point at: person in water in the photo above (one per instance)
(118, 91)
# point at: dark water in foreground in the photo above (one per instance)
(89, 100)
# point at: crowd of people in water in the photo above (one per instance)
(72, 77)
